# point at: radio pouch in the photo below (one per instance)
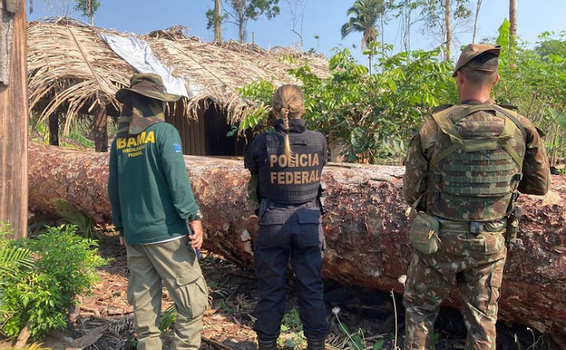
(423, 234)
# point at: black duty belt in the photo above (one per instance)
(474, 227)
(272, 204)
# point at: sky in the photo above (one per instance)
(322, 18)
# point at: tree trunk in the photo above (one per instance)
(217, 21)
(512, 21)
(365, 227)
(476, 21)
(54, 129)
(242, 33)
(90, 12)
(447, 25)
(13, 117)
(101, 129)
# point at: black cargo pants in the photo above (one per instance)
(290, 233)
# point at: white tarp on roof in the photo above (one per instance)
(139, 55)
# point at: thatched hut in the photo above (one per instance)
(73, 72)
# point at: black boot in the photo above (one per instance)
(267, 344)
(315, 344)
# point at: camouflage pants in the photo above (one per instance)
(473, 263)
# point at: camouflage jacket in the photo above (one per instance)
(430, 140)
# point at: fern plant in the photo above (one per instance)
(73, 216)
(14, 260)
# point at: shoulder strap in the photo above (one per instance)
(447, 126)
(506, 146)
(513, 118)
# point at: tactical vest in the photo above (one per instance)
(474, 175)
(294, 181)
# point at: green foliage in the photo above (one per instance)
(82, 5)
(73, 216)
(213, 20)
(75, 139)
(558, 141)
(13, 260)
(167, 318)
(364, 15)
(225, 307)
(261, 92)
(375, 115)
(356, 339)
(41, 293)
(504, 33)
(79, 141)
(245, 10)
(534, 80)
(255, 8)
(549, 46)
(292, 335)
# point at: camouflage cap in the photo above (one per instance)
(472, 51)
(149, 85)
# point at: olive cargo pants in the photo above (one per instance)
(175, 265)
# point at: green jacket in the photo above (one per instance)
(149, 189)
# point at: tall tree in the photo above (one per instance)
(513, 21)
(88, 8)
(478, 6)
(364, 16)
(217, 21)
(443, 16)
(447, 28)
(405, 11)
(244, 10)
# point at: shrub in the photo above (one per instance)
(40, 292)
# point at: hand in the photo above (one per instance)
(122, 241)
(197, 236)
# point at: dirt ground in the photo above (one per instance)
(369, 316)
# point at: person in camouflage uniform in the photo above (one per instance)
(465, 168)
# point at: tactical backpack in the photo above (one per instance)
(476, 177)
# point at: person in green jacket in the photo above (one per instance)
(154, 209)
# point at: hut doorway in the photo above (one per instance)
(217, 129)
(207, 134)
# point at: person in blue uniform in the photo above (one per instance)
(286, 167)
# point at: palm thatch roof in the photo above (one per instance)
(72, 70)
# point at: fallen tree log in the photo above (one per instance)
(365, 226)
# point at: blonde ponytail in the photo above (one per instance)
(289, 103)
(287, 143)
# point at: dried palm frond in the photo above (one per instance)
(71, 68)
